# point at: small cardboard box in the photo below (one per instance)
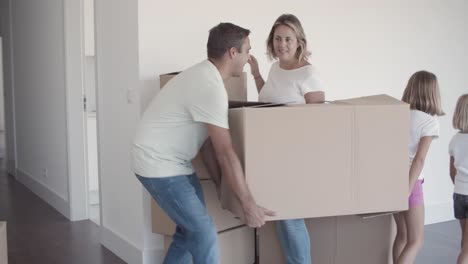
(236, 88)
(336, 240)
(343, 158)
(223, 219)
(237, 246)
(3, 243)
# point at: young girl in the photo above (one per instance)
(423, 96)
(458, 150)
(292, 79)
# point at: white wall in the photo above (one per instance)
(90, 83)
(5, 31)
(2, 103)
(89, 27)
(43, 83)
(39, 87)
(360, 47)
(125, 228)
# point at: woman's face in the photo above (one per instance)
(285, 43)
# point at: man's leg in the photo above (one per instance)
(195, 234)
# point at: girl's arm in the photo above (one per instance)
(453, 171)
(418, 161)
(254, 69)
(314, 97)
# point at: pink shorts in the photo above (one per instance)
(417, 196)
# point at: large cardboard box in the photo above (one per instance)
(343, 158)
(3, 243)
(236, 88)
(223, 219)
(336, 240)
(237, 246)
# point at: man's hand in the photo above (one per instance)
(255, 215)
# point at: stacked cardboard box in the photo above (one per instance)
(236, 246)
(337, 240)
(325, 163)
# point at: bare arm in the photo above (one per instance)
(453, 171)
(418, 161)
(314, 97)
(254, 69)
(232, 172)
(209, 158)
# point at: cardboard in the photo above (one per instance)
(236, 88)
(223, 219)
(336, 240)
(3, 243)
(343, 158)
(237, 246)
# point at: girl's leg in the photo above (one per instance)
(463, 258)
(401, 235)
(414, 219)
(462, 226)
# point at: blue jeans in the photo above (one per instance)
(295, 241)
(195, 238)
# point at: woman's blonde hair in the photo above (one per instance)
(292, 22)
(460, 116)
(422, 93)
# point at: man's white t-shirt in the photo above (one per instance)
(289, 86)
(458, 149)
(421, 125)
(172, 129)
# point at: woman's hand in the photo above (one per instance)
(254, 69)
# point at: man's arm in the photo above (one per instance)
(209, 159)
(232, 172)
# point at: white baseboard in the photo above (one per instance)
(129, 252)
(437, 213)
(46, 194)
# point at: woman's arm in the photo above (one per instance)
(314, 97)
(254, 69)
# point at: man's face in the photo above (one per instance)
(241, 58)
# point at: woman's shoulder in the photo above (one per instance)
(310, 69)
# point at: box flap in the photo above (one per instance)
(381, 99)
(373, 215)
(170, 73)
(240, 104)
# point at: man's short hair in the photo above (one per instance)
(223, 37)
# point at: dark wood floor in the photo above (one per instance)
(38, 234)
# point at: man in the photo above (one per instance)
(192, 107)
